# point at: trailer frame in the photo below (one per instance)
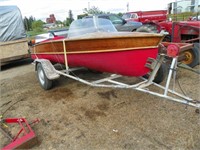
(111, 81)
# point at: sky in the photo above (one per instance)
(41, 9)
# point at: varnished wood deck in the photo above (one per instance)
(100, 42)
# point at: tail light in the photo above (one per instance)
(33, 41)
(173, 50)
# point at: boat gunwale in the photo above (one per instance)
(102, 38)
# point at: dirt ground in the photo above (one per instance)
(76, 116)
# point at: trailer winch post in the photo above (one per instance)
(172, 69)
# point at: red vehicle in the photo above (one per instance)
(178, 32)
(146, 16)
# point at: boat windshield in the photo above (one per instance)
(84, 26)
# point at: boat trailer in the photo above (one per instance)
(47, 73)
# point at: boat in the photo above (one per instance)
(94, 43)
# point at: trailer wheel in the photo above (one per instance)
(192, 56)
(45, 83)
(161, 74)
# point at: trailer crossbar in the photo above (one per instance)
(117, 84)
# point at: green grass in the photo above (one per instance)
(182, 16)
(34, 33)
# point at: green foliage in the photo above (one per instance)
(38, 29)
(32, 24)
(81, 16)
(69, 19)
(182, 16)
(28, 23)
(58, 22)
(120, 14)
(37, 26)
(67, 22)
(94, 10)
(31, 34)
(70, 16)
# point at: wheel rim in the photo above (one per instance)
(189, 57)
(41, 76)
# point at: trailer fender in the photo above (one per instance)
(47, 67)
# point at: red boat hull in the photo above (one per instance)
(128, 63)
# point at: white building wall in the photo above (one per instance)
(197, 5)
(185, 6)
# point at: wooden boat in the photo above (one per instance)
(122, 53)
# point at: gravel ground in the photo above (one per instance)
(76, 116)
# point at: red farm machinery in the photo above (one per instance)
(175, 31)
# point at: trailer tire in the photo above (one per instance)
(192, 56)
(161, 74)
(45, 83)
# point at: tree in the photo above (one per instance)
(93, 10)
(120, 14)
(30, 21)
(69, 19)
(67, 22)
(58, 22)
(26, 24)
(70, 16)
(81, 16)
(37, 25)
